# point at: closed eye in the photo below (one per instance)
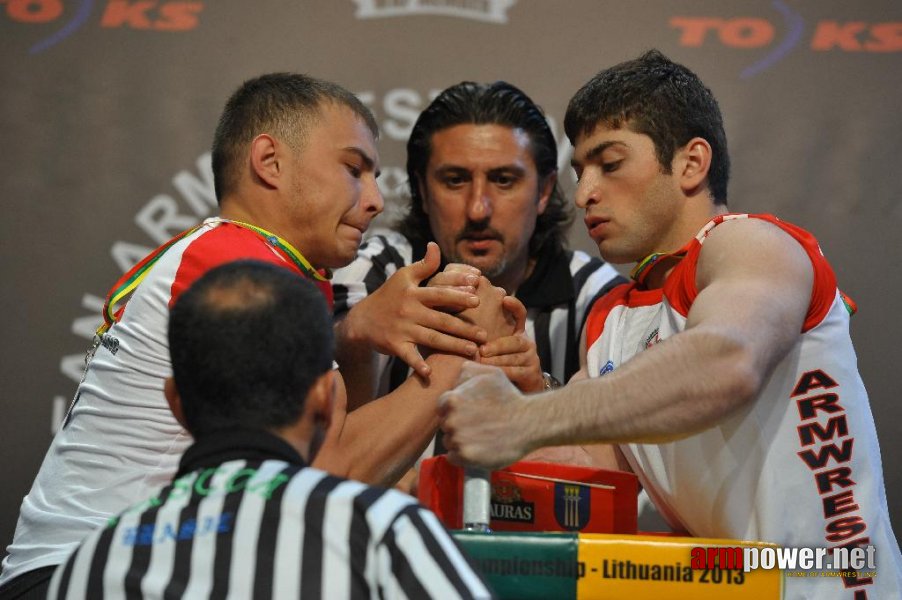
(610, 167)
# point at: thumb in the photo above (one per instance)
(430, 263)
(517, 310)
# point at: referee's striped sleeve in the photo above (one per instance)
(377, 259)
(419, 559)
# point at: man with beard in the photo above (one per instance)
(482, 169)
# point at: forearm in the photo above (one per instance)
(674, 389)
(754, 291)
(381, 440)
(358, 363)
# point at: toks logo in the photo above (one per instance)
(156, 15)
(756, 32)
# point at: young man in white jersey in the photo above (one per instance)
(255, 390)
(725, 370)
(295, 166)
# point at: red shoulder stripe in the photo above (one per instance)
(680, 286)
(823, 290)
(225, 243)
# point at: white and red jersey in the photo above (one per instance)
(799, 466)
(120, 442)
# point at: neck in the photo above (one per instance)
(298, 436)
(513, 278)
(238, 211)
(274, 240)
(660, 270)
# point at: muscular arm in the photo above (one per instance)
(754, 285)
(598, 456)
(379, 441)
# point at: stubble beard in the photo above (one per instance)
(491, 271)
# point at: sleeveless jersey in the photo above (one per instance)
(798, 466)
(120, 443)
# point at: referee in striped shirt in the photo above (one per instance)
(482, 168)
(245, 517)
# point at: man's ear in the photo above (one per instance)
(320, 396)
(266, 160)
(692, 163)
(174, 400)
(545, 191)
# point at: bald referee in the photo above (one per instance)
(245, 516)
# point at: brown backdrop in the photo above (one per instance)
(107, 109)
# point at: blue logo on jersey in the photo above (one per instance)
(607, 368)
(149, 534)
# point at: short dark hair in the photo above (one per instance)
(499, 103)
(281, 104)
(247, 341)
(657, 97)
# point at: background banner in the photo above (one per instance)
(107, 112)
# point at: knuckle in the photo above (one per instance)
(407, 294)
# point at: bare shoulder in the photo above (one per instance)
(743, 247)
(748, 231)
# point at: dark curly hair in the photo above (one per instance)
(498, 103)
(659, 98)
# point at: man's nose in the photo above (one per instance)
(587, 191)
(373, 202)
(479, 204)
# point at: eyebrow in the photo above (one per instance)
(367, 160)
(596, 150)
(514, 168)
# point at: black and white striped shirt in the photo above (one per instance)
(557, 295)
(245, 518)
